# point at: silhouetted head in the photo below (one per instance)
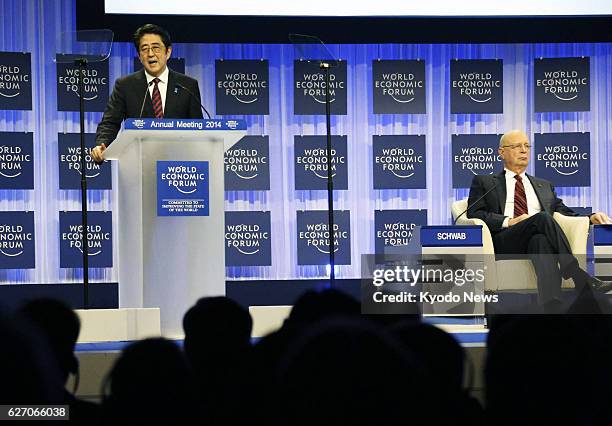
(60, 325)
(150, 384)
(216, 326)
(218, 347)
(28, 375)
(437, 350)
(350, 372)
(314, 306)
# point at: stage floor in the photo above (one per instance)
(97, 358)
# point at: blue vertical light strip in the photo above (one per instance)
(33, 26)
(14, 121)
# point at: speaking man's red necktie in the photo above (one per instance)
(158, 110)
(520, 199)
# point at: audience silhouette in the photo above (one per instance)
(60, 327)
(443, 359)
(27, 374)
(326, 365)
(548, 370)
(217, 345)
(151, 384)
(349, 372)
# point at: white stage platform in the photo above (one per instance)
(118, 325)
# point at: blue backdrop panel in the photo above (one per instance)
(32, 27)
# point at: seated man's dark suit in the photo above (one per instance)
(129, 93)
(539, 236)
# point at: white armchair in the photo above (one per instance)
(519, 274)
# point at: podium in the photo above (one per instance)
(171, 245)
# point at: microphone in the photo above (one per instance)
(476, 202)
(194, 97)
(144, 98)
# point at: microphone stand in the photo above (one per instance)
(198, 101)
(475, 202)
(81, 63)
(324, 66)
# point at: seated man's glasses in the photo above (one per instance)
(518, 146)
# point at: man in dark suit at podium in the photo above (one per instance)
(518, 211)
(155, 91)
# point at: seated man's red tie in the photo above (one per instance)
(520, 199)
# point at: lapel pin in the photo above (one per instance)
(175, 90)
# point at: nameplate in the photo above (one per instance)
(451, 236)
(182, 124)
(602, 235)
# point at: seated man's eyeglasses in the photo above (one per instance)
(517, 146)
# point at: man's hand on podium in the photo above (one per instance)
(98, 153)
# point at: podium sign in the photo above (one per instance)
(455, 250)
(182, 188)
(170, 261)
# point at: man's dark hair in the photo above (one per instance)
(152, 29)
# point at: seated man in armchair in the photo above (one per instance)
(518, 211)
